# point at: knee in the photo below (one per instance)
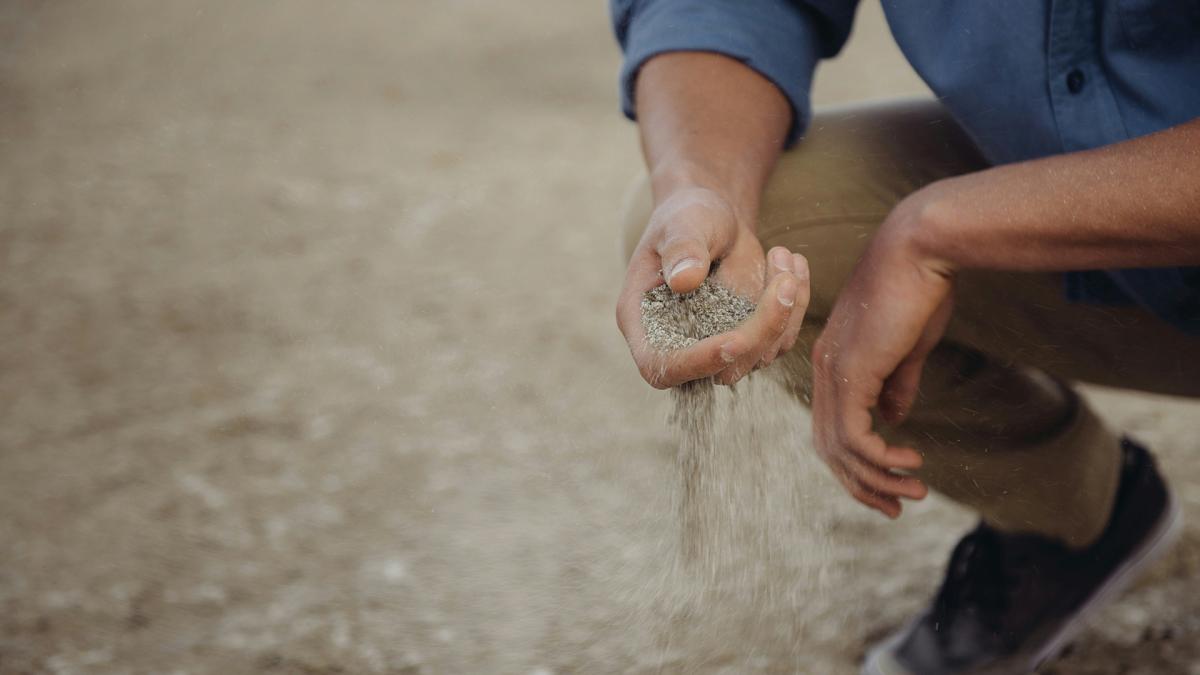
(859, 161)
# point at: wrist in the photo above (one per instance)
(925, 229)
(672, 180)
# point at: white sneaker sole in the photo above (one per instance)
(1161, 539)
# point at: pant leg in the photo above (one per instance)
(1000, 429)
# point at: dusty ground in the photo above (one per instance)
(308, 362)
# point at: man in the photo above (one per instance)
(1052, 194)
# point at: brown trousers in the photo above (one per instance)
(1000, 428)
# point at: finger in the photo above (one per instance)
(854, 434)
(779, 261)
(685, 262)
(905, 459)
(853, 401)
(884, 482)
(804, 276)
(803, 293)
(888, 506)
(706, 358)
(764, 327)
(826, 439)
(695, 228)
(685, 252)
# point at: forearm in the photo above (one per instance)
(1131, 204)
(709, 121)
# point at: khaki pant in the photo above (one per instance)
(996, 420)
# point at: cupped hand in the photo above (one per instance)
(688, 233)
(888, 318)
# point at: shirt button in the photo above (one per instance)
(1075, 81)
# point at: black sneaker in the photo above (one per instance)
(1010, 602)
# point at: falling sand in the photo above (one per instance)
(748, 532)
(677, 321)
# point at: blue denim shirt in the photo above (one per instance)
(1026, 79)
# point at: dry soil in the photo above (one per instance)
(308, 362)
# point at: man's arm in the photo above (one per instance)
(712, 129)
(1131, 204)
(710, 122)
(718, 86)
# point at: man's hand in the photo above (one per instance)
(1127, 205)
(712, 129)
(688, 232)
(888, 318)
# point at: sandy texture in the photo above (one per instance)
(739, 496)
(309, 363)
(674, 320)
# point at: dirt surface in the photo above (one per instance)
(309, 363)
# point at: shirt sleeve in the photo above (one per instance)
(780, 39)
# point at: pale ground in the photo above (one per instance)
(308, 360)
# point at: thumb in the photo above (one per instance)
(695, 225)
(685, 261)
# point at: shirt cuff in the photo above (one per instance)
(778, 39)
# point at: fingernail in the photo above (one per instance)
(682, 265)
(782, 260)
(798, 267)
(729, 352)
(787, 293)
